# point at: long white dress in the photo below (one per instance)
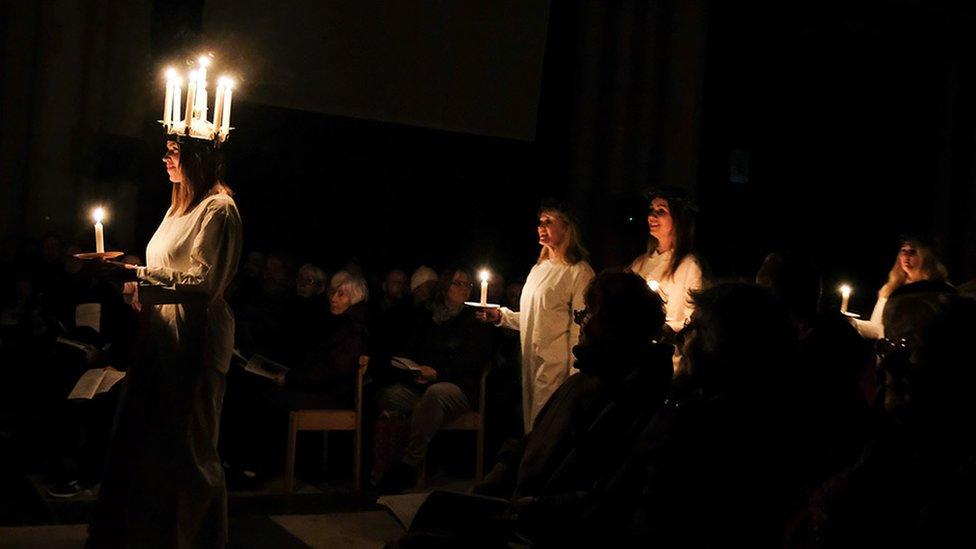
(675, 290)
(164, 484)
(552, 291)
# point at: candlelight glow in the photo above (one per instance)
(193, 76)
(170, 73)
(483, 275)
(204, 60)
(98, 214)
(654, 285)
(845, 290)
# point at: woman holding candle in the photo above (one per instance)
(916, 261)
(164, 484)
(670, 265)
(553, 290)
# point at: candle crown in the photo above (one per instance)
(191, 120)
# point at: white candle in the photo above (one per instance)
(191, 93)
(201, 98)
(177, 92)
(219, 102)
(845, 295)
(484, 286)
(168, 102)
(225, 108)
(654, 285)
(97, 215)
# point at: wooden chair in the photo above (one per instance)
(468, 421)
(329, 420)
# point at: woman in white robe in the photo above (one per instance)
(553, 290)
(669, 265)
(163, 484)
(916, 261)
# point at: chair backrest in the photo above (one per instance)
(481, 388)
(360, 375)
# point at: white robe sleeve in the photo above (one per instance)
(509, 319)
(873, 328)
(580, 284)
(211, 251)
(687, 279)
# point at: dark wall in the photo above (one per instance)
(852, 123)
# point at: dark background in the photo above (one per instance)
(827, 127)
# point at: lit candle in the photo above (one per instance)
(177, 92)
(97, 215)
(201, 98)
(219, 102)
(225, 108)
(191, 93)
(845, 294)
(168, 102)
(483, 275)
(654, 285)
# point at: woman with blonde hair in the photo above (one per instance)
(917, 260)
(553, 291)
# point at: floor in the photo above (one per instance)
(320, 515)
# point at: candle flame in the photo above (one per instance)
(194, 75)
(98, 214)
(225, 81)
(483, 275)
(845, 290)
(204, 60)
(171, 73)
(654, 285)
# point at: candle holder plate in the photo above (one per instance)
(102, 256)
(479, 305)
(849, 314)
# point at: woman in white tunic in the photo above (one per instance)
(553, 290)
(669, 265)
(164, 485)
(916, 261)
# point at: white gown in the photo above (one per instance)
(551, 293)
(164, 484)
(675, 290)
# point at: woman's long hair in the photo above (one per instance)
(202, 168)
(575, 251)
(683, 215)
(929, 267)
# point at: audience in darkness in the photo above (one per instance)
(786, 425)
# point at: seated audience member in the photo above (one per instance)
(452, 348)
(255, 414)
(585, 430)
(310, 282)
(307, 311)
(392, 316)
(262, 323)
(423, 283)
(337, 279)
(912, 486)
(714, 467)
(917, 260)
(836, 365)
(326, 377)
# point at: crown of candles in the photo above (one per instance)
(190, 118)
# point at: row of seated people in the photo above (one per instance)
(782, 426)
(322, 331)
